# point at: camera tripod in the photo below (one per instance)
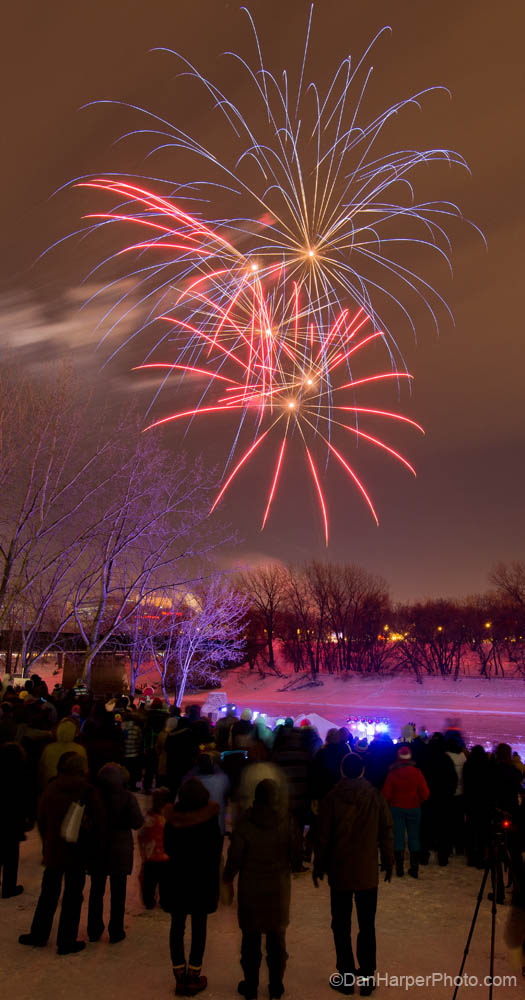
(497, 860)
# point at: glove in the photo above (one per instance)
(388, 873)
(316, 876)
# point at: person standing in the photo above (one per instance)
(354, 820)
(458, 757)
(405, 789)
(261, 853)
(116, 858)
(13, 815)
(193, 842)
(65, 861)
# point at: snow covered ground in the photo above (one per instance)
(421, 926)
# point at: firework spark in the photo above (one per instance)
(287, 390)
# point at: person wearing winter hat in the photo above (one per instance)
(353, 820)
(405, 790)
(66, 735)
(193, 842)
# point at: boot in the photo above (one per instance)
(246, 991)
(195, 983)
(400, 858)
(414, 864)
(179, 971)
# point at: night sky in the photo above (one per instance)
(440, 533)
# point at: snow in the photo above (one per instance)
(421, 929)
(489, 711)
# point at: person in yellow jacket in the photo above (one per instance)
(66, 734)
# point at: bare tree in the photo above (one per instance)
(151, 530)
(205, 631)
(52, 469)
(266, 587)
(509, 580)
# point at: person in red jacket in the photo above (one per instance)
(405, 789)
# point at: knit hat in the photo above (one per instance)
(304, 722)
(404, 754)
(156, 703)
(75, 710)
(246, 714)
(352, 766)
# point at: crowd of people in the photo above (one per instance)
(282, 798)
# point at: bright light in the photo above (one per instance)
(253, 267)
(370, 729)
(381, 727)
(361, 727)
(291, 406)
(309, 381)
(311, 253)
(488, 624)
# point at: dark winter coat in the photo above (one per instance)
(295, 761)
(476, 781)
(193, 842)
(123, 815)
(104, 742)
(223, 732)
(354, 820)
(261, 852)
(181, 751)
(440, 775)
(155, 722)
(54, 804)
(326, 768)
(14, 798)
(405, 786)
(504, 787)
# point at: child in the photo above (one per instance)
(154, 857)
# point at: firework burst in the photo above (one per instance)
(272, 306)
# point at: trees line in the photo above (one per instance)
(332, 618)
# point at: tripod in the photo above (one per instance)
(498, 858)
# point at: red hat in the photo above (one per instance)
(156, 703)
(404, 753)
(304, 722)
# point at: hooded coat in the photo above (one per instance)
(193, 841)
(123, 815)
(354, 820)
(67, 732)
(261, 852)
